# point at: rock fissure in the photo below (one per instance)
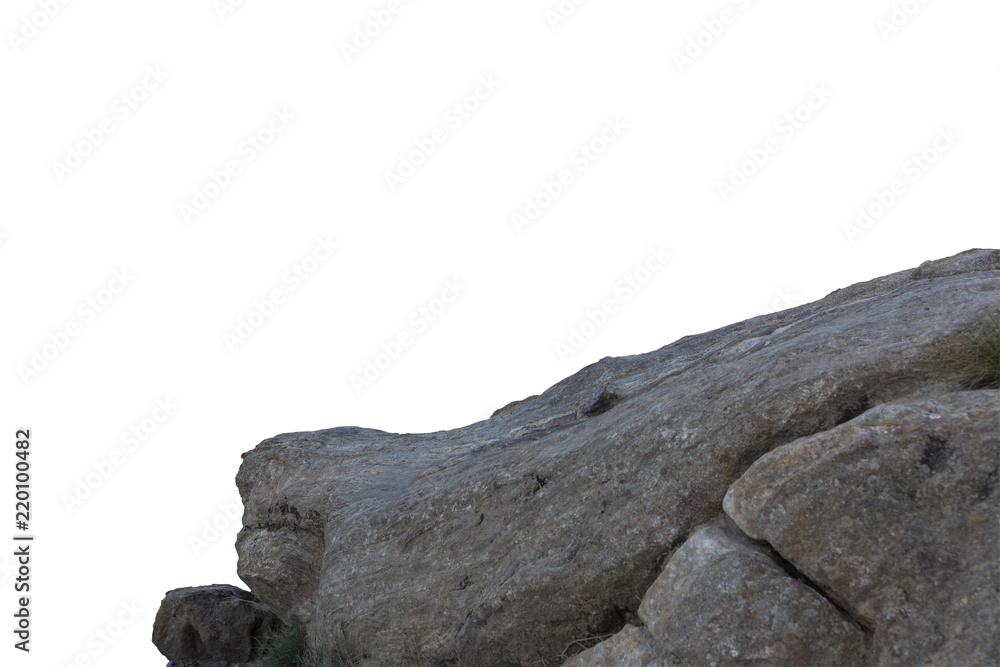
(880, 515)
(862, 623)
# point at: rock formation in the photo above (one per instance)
(894, 516)
(885, 550)
(807, 487)
(212, 624)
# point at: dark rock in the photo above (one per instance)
(602, 401)
(206, 625)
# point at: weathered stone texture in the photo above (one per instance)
(724, 600)
(209, 624)
(896, 516)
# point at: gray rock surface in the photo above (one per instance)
(206, 625)
(725, 600)
(632, 647)
(896, 516)
(508, 539)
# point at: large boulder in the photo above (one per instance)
(896, 516)
(509, 539)
(723, 599)
(210, 624)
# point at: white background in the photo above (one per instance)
(777, 241)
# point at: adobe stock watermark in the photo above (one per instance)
(899, 15)
(223, 8)
(218, 180)
(292, 279)
(32, 24)
(711, 30)
(228, 515)
(580, 160)
(365, 34)
(77, 152)
(787, 126)
(562, 12)
(131, 440)
(912, 170)
(8, 570)
(106, 635)
(784, 299)
(418, 323)
(622, 292)
(87, 312)
(454, 118)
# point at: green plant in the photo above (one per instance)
(976, 364)
(286, 648)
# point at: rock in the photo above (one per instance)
(724, 600)
(896, 516)
(632, 647)
(601, 402)
(506, 540)
(206, 625)
(510, 405)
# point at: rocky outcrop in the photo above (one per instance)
(895, 515)
(206, 625)
(595, 506)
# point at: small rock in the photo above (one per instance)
(212, 625)
(602, 401)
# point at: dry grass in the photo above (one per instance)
(289, 648)
(976, 363)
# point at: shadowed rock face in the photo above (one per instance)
(211, 624)
(510, 538)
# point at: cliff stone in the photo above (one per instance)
(508, 540)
